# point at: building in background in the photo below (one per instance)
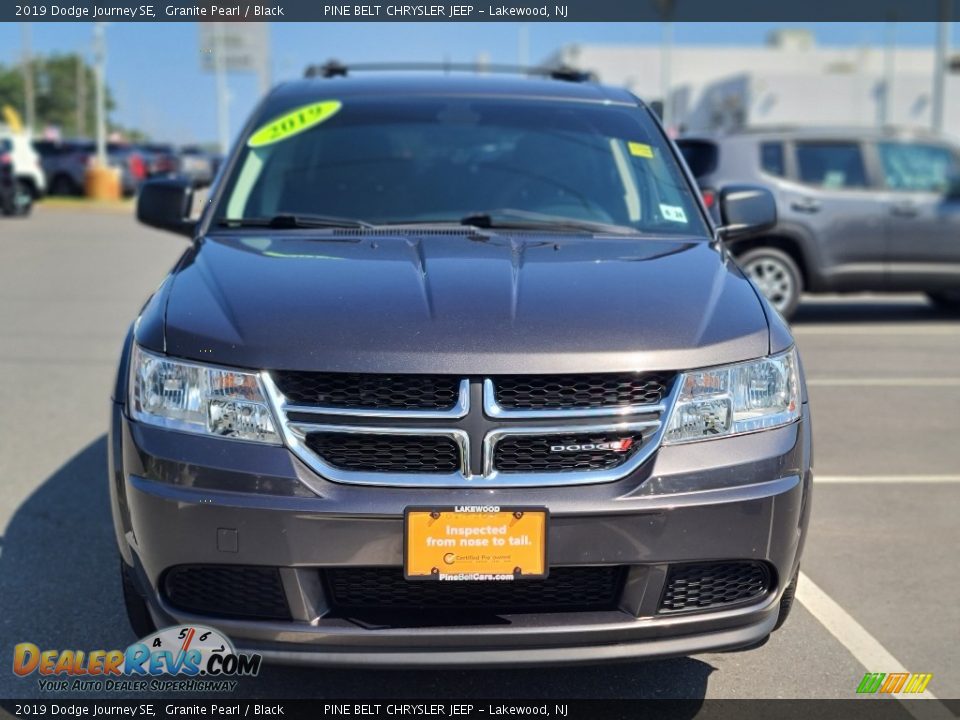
(789, 81)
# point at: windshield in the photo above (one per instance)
(431, 160)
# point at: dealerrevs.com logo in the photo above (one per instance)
(183, 658)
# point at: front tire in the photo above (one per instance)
(786, 602)
(22, 199)
(776, 275)
(948, 300)
(138, 613)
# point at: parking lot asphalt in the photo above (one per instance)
(880, 567)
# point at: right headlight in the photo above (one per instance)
(197, 398)
(735, 399)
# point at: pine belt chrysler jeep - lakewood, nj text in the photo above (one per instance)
(457, 371)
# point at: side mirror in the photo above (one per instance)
(166, 204)
(953, 188)
(746, 210)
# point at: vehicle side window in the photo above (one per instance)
(701, 156)
(921, 168)
(831, 164)
(771, 158)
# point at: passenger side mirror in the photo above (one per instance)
(746, 210)
(167, 204)
(953, 188)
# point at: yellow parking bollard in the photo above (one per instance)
(102, 183)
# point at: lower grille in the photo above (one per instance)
(374, 452)
(567, 589)
(703, 586)
(564, 453)
(227, 590)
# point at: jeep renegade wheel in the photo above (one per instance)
(137, 611)
(776, 275)
(948, 300)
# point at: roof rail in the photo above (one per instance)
(333, 68)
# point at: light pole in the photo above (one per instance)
(100, 71)
(523, 45)
(29, 96)
(940, 68)
(223, 96)
(889, 55)
(665, 9)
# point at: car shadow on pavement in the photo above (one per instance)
(59, 588)
(880, 310)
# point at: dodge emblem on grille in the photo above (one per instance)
(612, 446)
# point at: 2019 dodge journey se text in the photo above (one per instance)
(457, 371)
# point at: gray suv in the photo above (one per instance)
(858, 210)
(455, 370)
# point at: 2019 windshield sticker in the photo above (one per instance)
(294, 122)
(640, 149)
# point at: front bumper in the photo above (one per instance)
(742, 498)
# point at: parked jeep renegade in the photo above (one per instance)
(457, 371)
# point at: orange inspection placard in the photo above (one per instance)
(488, 544)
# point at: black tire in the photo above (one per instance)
(776, 275)
(63, 184)
(786, 602)
(949, 300)
(137, 611)
(22, 199)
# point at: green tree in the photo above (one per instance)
(62, 84)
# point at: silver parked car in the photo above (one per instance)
(858, 210)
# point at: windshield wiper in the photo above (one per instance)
(508, 218)
(291, 220)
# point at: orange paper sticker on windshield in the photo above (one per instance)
(640, 149)
(294, 122)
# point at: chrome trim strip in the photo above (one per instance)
(650, 443)
(294, 433)
(457, 411)
(493, 409)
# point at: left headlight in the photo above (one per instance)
(200, 399)
(736, 399)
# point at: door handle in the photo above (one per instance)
(807, 205)
(904, 209)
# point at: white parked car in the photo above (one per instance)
(28, 171)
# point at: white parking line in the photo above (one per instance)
(883, 382)
(905, 329)
(883, 479)
(865, 648)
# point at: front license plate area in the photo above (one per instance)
(488, 544)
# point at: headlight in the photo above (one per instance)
(735, 399)
(195, 398)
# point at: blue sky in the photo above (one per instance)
(154, 68)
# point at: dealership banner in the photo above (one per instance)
(467, 11)
(468, 709)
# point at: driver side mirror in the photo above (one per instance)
(746, 210)
(167, 204)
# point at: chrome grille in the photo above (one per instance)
(553, 430)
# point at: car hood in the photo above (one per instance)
(464, 302)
